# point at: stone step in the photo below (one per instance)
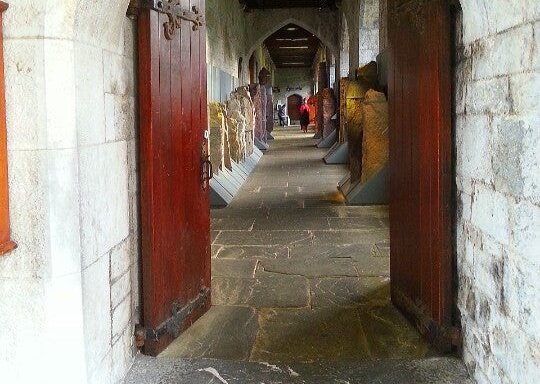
(440, 370)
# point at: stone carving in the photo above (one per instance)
(329, 110)
(217, 140)
(312, 102)
(319, 119)
(236, 123)
(375, 134)
(269, 110)
(367, 75)
(354, 95)
(259, 106)
(343, 83)
(249, 114)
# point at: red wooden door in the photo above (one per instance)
(421, 165)
(174, 202)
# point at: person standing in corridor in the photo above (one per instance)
(304, 116)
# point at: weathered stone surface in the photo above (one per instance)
(251, 252)
(343, 83)
(349, 292)
(375, 147)
(222, 333)
(329, 110)
(305, 335)
(216, 122)
(355, 93)
(269, 109)
(236, 124)
(389, 334)
(442, 370)
(248, 113)
(307, 266)
(259, 107)
(261, 292)
(241, 268)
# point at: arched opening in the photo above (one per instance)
(252, 70)
(294, 102)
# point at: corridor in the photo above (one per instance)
(300, 287)
(297, 275)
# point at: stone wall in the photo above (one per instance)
(226, 36)
(292, 78)
(359, 34)
(498, 188)
(67, 292)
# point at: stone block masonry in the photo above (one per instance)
(498, 189)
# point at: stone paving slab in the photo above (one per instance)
(243, 238)
(240, 268)
(306, 335)
(261, 292)
(307, 266)
(222, 333)
(447, 370)
(390, 335)
(314, 271)
(240, 252)
(349, 292)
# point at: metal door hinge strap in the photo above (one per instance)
(176, 14)
(173, 326)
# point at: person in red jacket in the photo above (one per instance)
(304, 116)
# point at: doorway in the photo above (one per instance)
(354, 227)
(293, 107)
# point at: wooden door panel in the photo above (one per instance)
(174, 203)
(421, 164)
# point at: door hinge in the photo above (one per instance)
(175, 13)
(173, 326)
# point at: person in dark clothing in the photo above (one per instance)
(304, 116)
(281, 115)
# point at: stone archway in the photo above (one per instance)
(258, 41)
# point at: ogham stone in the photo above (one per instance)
(355, 93)
(237, 128)
(260, 111)
(353, 127)
(319, 118)
(216, 122)
(269, 110)
(225, 142)
(312, 103)
(343, 83)
(329, 110)
(249, 114)
(375, 134)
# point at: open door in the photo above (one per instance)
(420, 102)
(175, 217)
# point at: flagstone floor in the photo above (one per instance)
(300, 286)
(296, 274)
